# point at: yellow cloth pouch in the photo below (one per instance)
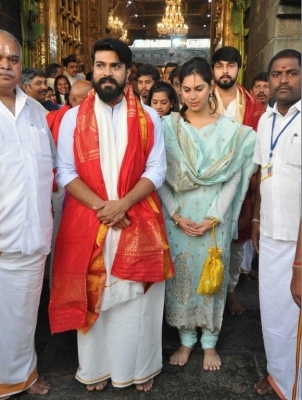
(212, 274)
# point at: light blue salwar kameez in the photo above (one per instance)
(208, 173)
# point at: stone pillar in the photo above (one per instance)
(274, 26)
(10, 17)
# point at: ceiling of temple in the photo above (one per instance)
(140, 17)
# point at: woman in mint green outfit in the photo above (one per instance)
(209, 165)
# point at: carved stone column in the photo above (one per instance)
(94, 12)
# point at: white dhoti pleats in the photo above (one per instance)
(125, 343)
(21, 278)
(279, 313)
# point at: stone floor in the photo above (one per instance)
(240, 346)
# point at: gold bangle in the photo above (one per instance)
(297, 266)
(176, 223)
(255, 220)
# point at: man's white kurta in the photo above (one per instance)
(280, 216)
(26, 163)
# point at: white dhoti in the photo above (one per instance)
(21, 278)
(279, 313)
(125, 343)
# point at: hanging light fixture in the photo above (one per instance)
(124, 37)
(172, 23)
(114, 25)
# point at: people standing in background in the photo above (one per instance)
(169, 67)
(52, 71)
(260, 89)
(34, 84)
(163, 98)
(176, 84)
(70, 64)
(235, 102)
(147, 75)
(61, 87)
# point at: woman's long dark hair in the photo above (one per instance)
(55, 86)
(200, 66)
(162, 86)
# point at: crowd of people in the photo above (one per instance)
(147, 166)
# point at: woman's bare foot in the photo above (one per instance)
(98, 385)
(211, 360)
(41, 386)
(146, 386)
(232, 305)
(263, 387)
(181, 356)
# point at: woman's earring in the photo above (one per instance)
(211, 98)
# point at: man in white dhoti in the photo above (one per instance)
(278, 208)
(26, 176)
(111, 255)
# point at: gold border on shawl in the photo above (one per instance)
(95, 281)
(241, 105)
(143, 124)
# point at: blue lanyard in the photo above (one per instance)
(273, 143)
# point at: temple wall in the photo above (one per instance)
(273, 26)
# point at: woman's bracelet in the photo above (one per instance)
(297, 265)
(176, 220)
(255, 220)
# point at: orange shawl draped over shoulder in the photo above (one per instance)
(79, 273)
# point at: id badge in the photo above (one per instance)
(267, 171)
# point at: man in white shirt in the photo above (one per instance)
(70, 64)
(26, 163)
(111, 254)
(276, 221)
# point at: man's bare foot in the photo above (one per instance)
(211, 360)
(146, 386)
(41, 386)
(98, 385)
(232, 305)
(181, 356)
(263, 387)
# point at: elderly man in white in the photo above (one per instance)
(26, 163)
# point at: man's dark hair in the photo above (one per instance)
(287, 53)
(28, 74)
(148, 69)
(226, 53)
(69, 59)
(51, 69)
(122, 50)
(174, 73)
(262, 76)
(170, 64)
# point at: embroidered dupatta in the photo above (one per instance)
(228, 150)
(142, 255)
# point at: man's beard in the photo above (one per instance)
(108, 93)
(225, 85)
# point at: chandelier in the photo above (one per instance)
(172, 23)
(114, 25)
(124, 37)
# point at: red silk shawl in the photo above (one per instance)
(250, 111)
(79, 273)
